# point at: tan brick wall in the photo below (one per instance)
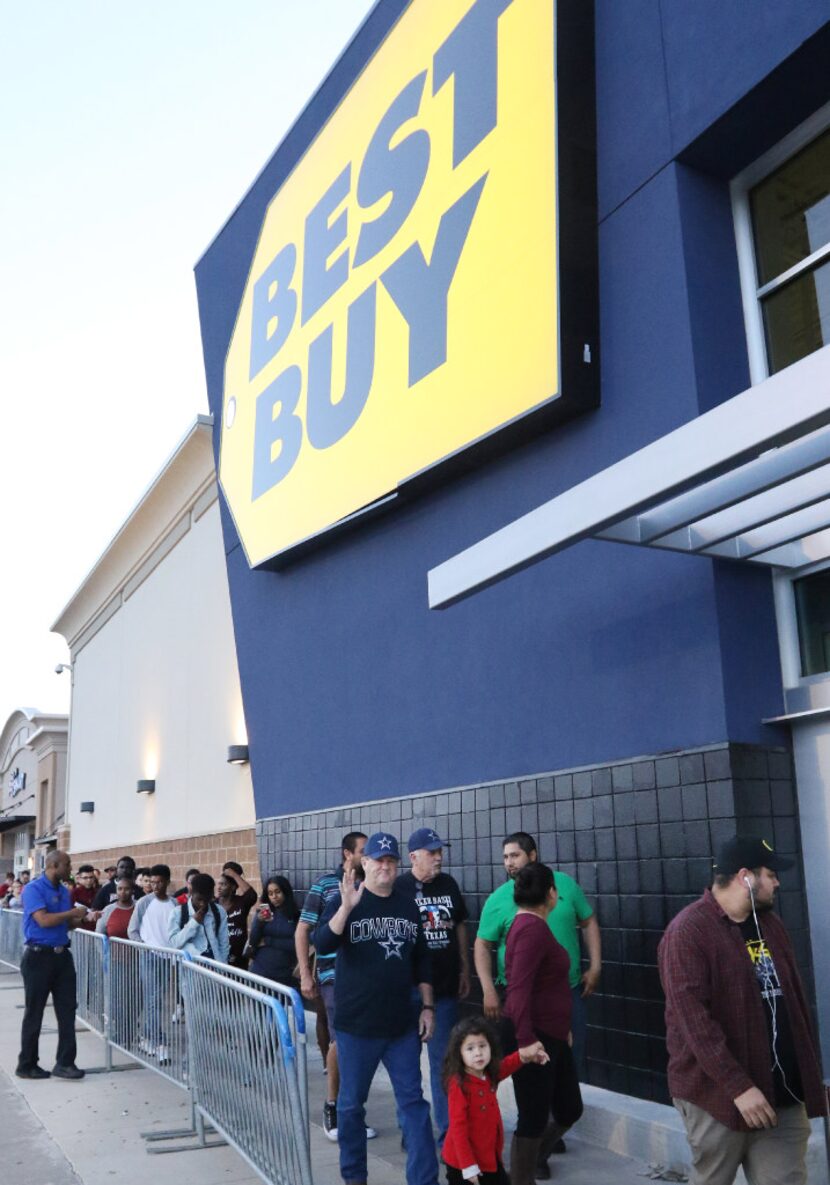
(206, 852)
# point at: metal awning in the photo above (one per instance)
(748, 480)
(8, 822)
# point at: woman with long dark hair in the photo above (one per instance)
(271, 939)
(538, 1007)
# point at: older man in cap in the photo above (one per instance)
(443, 916)
(377, 934)
(743, 1067)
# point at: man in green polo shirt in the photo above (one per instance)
(571, 915)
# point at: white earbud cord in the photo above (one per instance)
(770, 982)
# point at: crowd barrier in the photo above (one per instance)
(234, 1041)
(11, 937)
(145, 1016)
(89, 954)
(245, 1073)
(292, 1002)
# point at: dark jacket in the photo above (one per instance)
(273, 945)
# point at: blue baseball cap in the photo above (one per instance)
(425, 838)
(381, 844)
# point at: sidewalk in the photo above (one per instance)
(87, 1133)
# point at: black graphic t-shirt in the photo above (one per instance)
(785, 1073)
(442, 908)
(237, 909)
(381, 955)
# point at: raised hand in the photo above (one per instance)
(351, 890)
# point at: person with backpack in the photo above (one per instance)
(200, 926)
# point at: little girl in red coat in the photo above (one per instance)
(473, 1068)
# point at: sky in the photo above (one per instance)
(128, 134)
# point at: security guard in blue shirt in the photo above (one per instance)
(47, 967)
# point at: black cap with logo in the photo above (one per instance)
(745, 852)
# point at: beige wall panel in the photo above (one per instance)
(156, 695)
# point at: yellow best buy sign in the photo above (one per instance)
(402, 300)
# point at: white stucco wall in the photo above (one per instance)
(156, 695)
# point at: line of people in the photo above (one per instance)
(743, 1070)
(204, 917)
(385, 959)
(392, 970)
(11, 891)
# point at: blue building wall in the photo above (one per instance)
(353, 689)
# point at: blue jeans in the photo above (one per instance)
(358, 1059)
(579, 1028)
(446, 1016)
(156, 1002)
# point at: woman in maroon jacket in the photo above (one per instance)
(538, 1006)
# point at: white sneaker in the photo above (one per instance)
(163, 1054)
(371, 1134)
(146, 1046)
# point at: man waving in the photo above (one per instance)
(381, 952)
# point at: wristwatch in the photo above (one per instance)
(427, 1008)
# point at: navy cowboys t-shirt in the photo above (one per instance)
(442, 908)
(381, 954)
(786, 1073)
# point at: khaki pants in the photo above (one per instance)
(770, 1156)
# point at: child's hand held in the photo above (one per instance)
(534, 1053)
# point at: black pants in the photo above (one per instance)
(499, 1177)
(545, 1091)
(46, 972)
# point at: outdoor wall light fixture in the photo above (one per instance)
(87, 808)
(237, 754)
(146, 786)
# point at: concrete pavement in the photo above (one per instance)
(89, 1133)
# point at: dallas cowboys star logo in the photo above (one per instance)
(392, 946)
(385, 844)
(432, 837)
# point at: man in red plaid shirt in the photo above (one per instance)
(743, 1067)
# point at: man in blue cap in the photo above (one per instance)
(377, 934)
(443, 916)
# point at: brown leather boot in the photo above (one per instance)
(524, 1153)
(552, 1135)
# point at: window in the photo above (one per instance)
(782, 220)
(812, 608)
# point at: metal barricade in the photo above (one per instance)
(11, 937)
(145, 1017)
(244, 1069)
(292, 1002)
(89, 954)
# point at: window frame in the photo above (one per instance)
(751, 294)
(787, 621)
(751, 291)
